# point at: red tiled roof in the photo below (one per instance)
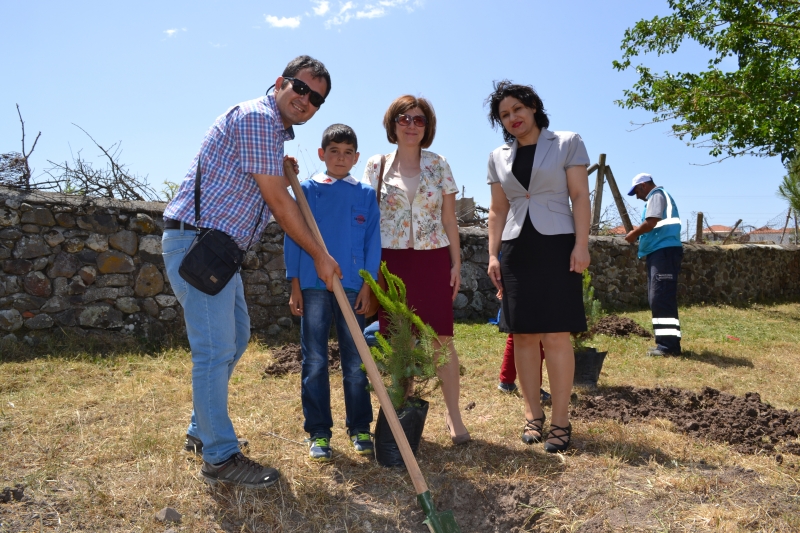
(771, 231)
(619, 230)
(718, 229)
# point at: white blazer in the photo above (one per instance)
(547, 197)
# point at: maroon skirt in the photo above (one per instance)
(426, 274)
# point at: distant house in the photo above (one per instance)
(618, 231)
(718, 232)
(771, 235)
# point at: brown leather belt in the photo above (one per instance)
(176, 224)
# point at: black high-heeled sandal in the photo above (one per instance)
(537, 424)
(565, 438)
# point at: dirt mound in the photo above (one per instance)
(619, 326)
(747, 424)
(496, 507)
(289, 360)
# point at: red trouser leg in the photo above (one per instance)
(508, 372)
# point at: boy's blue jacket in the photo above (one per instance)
(346, 212)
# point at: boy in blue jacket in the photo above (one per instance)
(346, 212)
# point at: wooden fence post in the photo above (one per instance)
(598, 194)
(786, 225)
(731, 233)
(698, 237)
(623, 212)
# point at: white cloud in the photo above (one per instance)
(173, 31)
(373, 13)
(342, 17)
(321, 7)
(366, 10)
(283, 22)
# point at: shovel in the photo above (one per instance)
(443, 522)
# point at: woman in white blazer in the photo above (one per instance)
(545, 249)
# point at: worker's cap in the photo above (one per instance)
(639, 178)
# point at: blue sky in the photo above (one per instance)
(155, 75)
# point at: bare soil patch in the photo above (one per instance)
(746, 423)
(289, 359)
(619, 326)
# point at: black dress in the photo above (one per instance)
(540, 293)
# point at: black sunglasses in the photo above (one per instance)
(302, 88)
(404, 120)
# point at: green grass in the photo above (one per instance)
(96, 438)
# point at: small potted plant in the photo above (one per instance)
(588, 361)
(406, 358)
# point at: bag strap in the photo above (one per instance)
(258, 221)
(380, 180)
(197, 195)
(197, 206)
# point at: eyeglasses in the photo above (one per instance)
(302, 88)
(405, 120)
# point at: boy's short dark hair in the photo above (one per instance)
(316, 67)
(525, 94)
(339, 133)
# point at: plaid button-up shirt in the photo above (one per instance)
(247, 139)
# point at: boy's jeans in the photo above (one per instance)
(218, 328)
(319, 309)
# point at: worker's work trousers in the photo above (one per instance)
(663, 267)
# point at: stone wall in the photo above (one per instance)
(735, 273)
(94, 265)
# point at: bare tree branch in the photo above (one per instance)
(15, 170)
(81, 177)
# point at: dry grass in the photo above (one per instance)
(97, 439)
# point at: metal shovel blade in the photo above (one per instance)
(443, 522)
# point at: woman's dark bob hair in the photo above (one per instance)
(523, 93)
(404, 104)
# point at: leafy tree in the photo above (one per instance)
(170, 190)
(789, 189)
(753, 110)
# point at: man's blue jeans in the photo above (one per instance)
(319, 310)
(218, 328)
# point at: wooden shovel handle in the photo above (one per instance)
(361, 344)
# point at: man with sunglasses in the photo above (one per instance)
(240, 168)
(660, 243)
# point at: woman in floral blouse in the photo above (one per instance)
(419, 232)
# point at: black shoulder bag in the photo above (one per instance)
(213, 258)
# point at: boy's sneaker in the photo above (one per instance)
(319, 448)
(195, 445)
(241, 471)
(507, 387)
(362, 442)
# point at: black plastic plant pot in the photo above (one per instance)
(412, 419)
(588, 363)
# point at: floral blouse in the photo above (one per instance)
(425, 215)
